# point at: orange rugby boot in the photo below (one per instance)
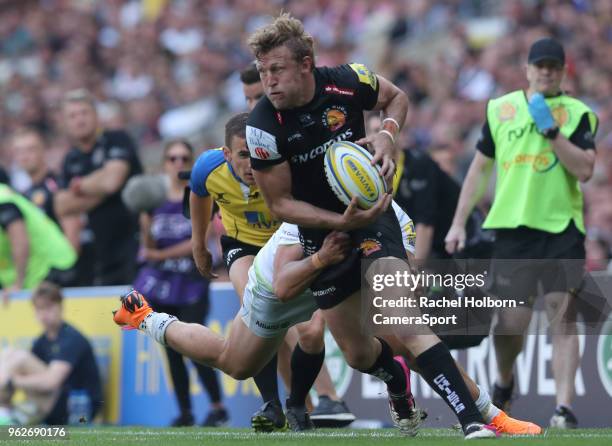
(134, 308)
(507, 425)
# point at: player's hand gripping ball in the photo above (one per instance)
(350, 173)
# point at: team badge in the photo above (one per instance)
(334, 117)
(506, 111)
(369, 246)
(560, 115)
(39, 197)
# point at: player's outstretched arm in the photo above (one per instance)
(294, 273)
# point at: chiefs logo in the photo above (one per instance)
(334, 117)
(506, 111)
(560, 115)
(39, 197)
(369, 246)
(262, 153)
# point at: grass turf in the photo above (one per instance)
(134, 435)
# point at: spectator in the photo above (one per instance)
(32, 247)
(60, 366)
(29, 147)
(541, 142)
(94, 173)
(172, 282)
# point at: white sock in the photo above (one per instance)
(155, 325)
(485, 406)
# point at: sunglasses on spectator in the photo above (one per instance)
(175, 158)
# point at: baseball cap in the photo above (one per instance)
(546, 49)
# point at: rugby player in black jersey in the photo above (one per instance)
(305, 110)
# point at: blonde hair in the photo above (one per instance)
(284, 30)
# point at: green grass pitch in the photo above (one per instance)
(117, 436)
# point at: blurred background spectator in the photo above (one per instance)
(165, 69)
(59, 376)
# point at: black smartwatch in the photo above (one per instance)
(551, 133)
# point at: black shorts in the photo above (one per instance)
(525, 259)
(234, 249)
(381, 239)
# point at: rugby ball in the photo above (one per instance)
(349, 172)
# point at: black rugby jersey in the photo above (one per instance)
(113, 225)
(302, 135)
(41, 194)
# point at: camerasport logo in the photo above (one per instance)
(334, 117)
(604, 356)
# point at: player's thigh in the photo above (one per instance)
(343, 321)
(239, 274)
(245, 353)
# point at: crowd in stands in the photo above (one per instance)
(163, 69)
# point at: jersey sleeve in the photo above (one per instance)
(289, 234)
(263, 136)
(485, 144)
(407, 226)
(205, 164)
(120, 147)
(9, 213)
(361, 80)
(584, 136)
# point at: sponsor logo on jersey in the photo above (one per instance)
(326, 291)
(320, 150)
(369, 246)
(306, 120)
(410, 234)
(560, 114)
(262, 153)
(220, 198)
(334, 117)
(272, 326)
(541, 162)
(334, 89)
(39, 197)
(260, 220)
(506, 111)
(262, 145)
(295, 136)
(365, 75)
(231, 253)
